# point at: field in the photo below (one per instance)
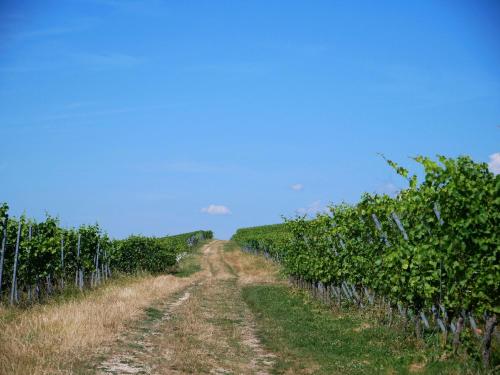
(236, 314)
(403, 284)
(428, 257)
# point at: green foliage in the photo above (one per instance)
(40, 247)
(450, 256)
(267, 238)
(49, 252)
(139, 253)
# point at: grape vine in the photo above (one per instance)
(51, 258)
(432, 251)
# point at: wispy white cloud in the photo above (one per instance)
(151, 8)
(70, 114)
(312, 209)
(297, 187)
(30, 68)
(307, 49)
(108, 60)
(387, 188)
(104, 112)
(154, 196)
(76, 25)
(301, 49)
(215, 209)
(241, 67)
(426, 87)
(186, 166)
(50, 31)
(12, 17)
(494, 163)
(90, 61)
(77, 105)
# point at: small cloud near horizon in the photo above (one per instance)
(388, 188)
(297, 187)
(312, 209)
(494, 163)
(215, 209)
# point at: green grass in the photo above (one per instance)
(152, 314)
(190, 264)
(309, 338)
(231, 246)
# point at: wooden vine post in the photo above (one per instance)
(4, 244)
(97, 278)
(444, 328)
(491, 323)
(13, 290)
(62, 261)
(456, 335)
(79, 272)
(28, 253)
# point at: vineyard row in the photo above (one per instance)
(431, 253)
(40, 258)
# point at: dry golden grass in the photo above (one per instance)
(213, 331)
(251, 268)
(50, 339)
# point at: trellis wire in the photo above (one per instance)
(349, 290)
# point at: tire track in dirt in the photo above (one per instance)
(214, 332)
(207, 328)
(134, 350)
(134, 360)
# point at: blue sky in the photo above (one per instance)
(160, 117)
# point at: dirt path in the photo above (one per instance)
(206, 328)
